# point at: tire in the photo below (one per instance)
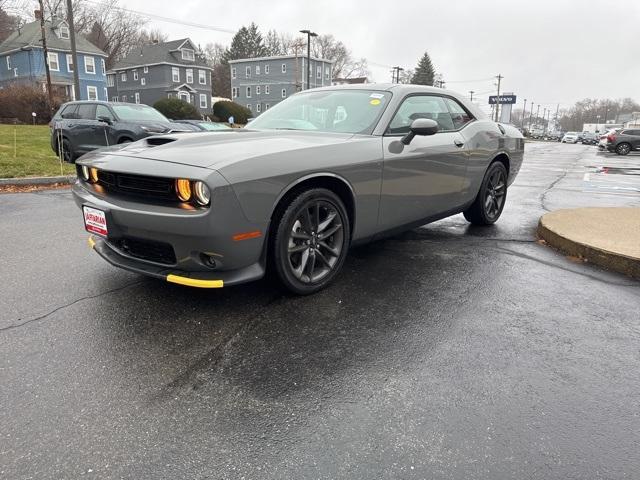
(68, 155)
(312, 237)
(488, 205)
(623, 148)
(124, 140)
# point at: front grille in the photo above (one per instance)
(158, 252)
(142, 185)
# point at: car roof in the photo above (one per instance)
(395, 87)
(102, 102)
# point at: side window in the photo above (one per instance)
(102, 111)
(459, 115)
(420, 106)
(69, 111)
(86, 111)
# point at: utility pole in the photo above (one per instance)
(471, 92)
(524, 111)
(531, 115)
(46, 54)
(74, 53)
(555, 120)
(544, 115)
(309, 34)
(397, 71)
(537, 114)
(499, 77)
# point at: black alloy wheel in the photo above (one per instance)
(311, 241)
(623, 149)
(488, 205)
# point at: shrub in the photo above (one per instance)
(225, 109)
(18, 101)
(177, 109)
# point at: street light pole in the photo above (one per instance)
(471, 92)
(309, 34)
(524, 112)
(74, 53)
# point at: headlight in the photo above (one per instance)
(93, 174)
(183, 189)
(84, 170)
(202, 193)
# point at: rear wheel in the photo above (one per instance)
(67, 151)
(623, 149)
(488, 205)
(311, 241)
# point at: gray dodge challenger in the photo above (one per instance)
(322, 170)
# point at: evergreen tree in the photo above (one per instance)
(425, 73)
(246, 43)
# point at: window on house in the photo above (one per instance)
(257, 69)
(114, 99)
(69, 62)
(284, 93)
(266, 89)
(284, 68)
(203, 100)
(64, 31)
(247, 72)
(184, 96)
(15, 72)
(175, 74)
(145, 69)
(106, 94)
(234, 92)
(189, 75)
(258, 90)
(266, 69)
(124, 98)
(123, 77)
(92, 92)
(104, 67)
(137, 97)
(266, 106)
(53, 62)
(188, 54)
(110, 80)
(258, 108)
(248, 92)
(202, 77)
(89, 64)
(8, 62)
(249, 107)
(143, 81)
(233, 72)
(319, 73)
(135, 75)
(326, 73)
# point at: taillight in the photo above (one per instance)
(611, 137)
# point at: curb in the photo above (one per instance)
(37, 180)
(604, 258)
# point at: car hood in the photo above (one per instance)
(217, 149)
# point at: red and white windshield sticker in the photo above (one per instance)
(95, 221)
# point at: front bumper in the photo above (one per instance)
(196, 236)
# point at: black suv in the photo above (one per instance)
(624, 141)
(83, 126)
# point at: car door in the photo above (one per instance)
(635, 139)
(83, 131)
(425, 178)
(105, 130)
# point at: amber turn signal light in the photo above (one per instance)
(93, 175)
(183, 189)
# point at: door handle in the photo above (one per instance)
(458, 143)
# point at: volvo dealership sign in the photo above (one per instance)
(504, 99)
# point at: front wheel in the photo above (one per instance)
(311, 241)
(488, 205)
(623, 149)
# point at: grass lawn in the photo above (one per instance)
(33, 154)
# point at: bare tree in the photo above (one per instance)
(213, 53)
(8, 23)
(344, 65)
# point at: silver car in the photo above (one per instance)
(322, 170)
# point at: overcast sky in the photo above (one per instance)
(548, 51)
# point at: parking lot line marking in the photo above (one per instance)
(586, 177)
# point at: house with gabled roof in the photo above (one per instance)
(174, 69)
(22, 61)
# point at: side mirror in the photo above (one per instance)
(420, 126)
(104, 119)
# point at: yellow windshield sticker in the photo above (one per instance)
(375, 101)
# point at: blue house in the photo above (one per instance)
(22, 61)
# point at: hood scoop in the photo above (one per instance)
(157, 141)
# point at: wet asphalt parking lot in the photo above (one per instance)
(447, 352)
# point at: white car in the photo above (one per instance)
(602, 144)
(571, 137)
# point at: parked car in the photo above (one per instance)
(204, 126)
(589, 139)
(82, 126)
(571, 137)
(602, 144)
(320, 171)
(624, 141)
